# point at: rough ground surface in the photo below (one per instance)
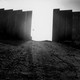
(34, 60)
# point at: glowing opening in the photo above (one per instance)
(41, 25)
(42, 21)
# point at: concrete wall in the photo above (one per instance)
(55, 25)
(62, 25)
(15, 25)
(27, 24)
(76, 26)
(66, 25)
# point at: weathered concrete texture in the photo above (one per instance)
(15, 25)
(27, 22)
(76, 26)
(55, 25)
(63, 24)
(68, 30)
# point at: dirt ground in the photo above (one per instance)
(35, 60)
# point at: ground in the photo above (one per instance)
(35, 60)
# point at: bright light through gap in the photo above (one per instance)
(41, 25)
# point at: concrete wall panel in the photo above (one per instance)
(55, 36)
(62, 25)
(13, 25)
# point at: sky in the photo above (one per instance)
(42, 15)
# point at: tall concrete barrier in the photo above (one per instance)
(62, 25)
(15, 25)
(6, 23)
(76, 26)
(56, 16)
(17, 19)
(1, 22)
(27, 24)
(68, 27)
